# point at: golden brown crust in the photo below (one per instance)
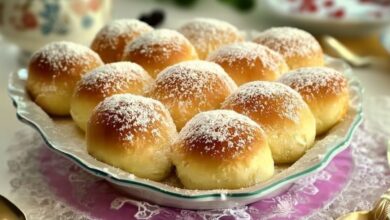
(54, 71)
(207, 34)
(159, 49)
(191, 87)
(325, 90)
(298, 47)
(247, 61)
(133, 133)
(101, 125)
(266, 102)
(222, 149)
(43, 69)
(112, 39)
(281, 111)
(124, 116)
(114, 78)
(199, 152)
(110, 79)
(222, 136)
(316, 82)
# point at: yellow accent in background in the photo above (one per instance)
(6, 213)
(363, 46)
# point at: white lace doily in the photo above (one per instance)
(31, 188)
(31, 166)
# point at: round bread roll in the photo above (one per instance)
(105, 81)
(281, 111)
(133, 133)
(247, 61)
(191, 87)
(159, 49)
(325, 90)
(53, 72)
(208, 34)
(222, 149)
(111, 40)
(298, 47)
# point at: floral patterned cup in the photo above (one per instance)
(33, 23)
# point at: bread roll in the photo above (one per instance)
(105, 81)
(53, 72)
(208, 34)
(298, 47)
(159, 49)
(111, 40)
(133, 133)
(281, 111)
(222, 149)
(247, 61)
(191, 87)
(325, 90)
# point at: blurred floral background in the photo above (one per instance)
(360, 25)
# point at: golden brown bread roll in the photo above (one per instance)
(298, 47)
(207, 34)
(248, 61)
(325, 90)
(133, 133)
(159, 49)
(191, 87)
(111, 40)
(53, 72)
(105, 81)
(222, 149)
(281, 111)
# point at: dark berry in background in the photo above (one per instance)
(185, 3)
(242, 5)
(154, 18)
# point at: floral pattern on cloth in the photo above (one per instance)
(48, 186)
(50, 16)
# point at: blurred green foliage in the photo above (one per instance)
(241, 5)
(184, 2)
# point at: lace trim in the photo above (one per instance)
(48, 186)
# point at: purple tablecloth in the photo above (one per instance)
(51, 187)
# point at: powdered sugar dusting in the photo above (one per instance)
(205, 31)
(114, 77)
(121, 27)
(288, 41)
(312, 82)
(287, 100)
(219, 132)
(250, 52)
(166, 40)
(64, 56)
(191, 80)
(130, 114)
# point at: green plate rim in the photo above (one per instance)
(318, 166)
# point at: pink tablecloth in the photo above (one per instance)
(47, 186)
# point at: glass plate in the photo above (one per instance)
(62, 136)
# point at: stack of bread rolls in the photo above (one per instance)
(221, 110)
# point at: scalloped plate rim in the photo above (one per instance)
(256, 193)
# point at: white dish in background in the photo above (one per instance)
(357, 22)
(385, 39)
(63, 137)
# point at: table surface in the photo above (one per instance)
(375, 78)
